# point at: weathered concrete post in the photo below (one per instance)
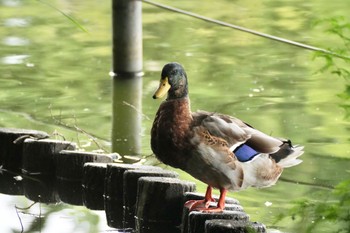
(126, 74)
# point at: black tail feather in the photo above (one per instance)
(285, 150)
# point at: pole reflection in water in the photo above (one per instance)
(126, 126)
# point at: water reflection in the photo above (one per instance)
(11, 184)
(16, 22)
(70, 192)
(40, 189)
(15, 41)
(11, 3)
(127, 115)
(14, 59)
(46, 210)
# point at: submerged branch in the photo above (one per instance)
(324, 186)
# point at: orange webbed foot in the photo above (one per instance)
(197, 204)
(203, 205)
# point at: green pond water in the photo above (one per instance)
(54, 77)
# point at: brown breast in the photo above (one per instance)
(171, 132)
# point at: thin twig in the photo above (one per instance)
(91, 137)
(20, 220)
(77, 129)
(71, 18)
(22, 209)
(138, 111)
(247, 30)
(25, 208)
(56, 133)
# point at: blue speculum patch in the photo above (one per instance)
(245, 153)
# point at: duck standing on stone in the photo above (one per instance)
(219, 150)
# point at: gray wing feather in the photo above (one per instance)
(236, 132)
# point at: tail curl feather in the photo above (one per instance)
(287, 155)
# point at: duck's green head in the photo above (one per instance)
(173, 81)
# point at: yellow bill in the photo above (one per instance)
(163, 88)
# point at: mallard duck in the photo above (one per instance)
(219, 150)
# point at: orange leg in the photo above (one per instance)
(202, 205)
(194, 204)
(221, 203)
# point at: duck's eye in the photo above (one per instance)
(173, 72)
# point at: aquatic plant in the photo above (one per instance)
(338, 66)
(330, 213)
